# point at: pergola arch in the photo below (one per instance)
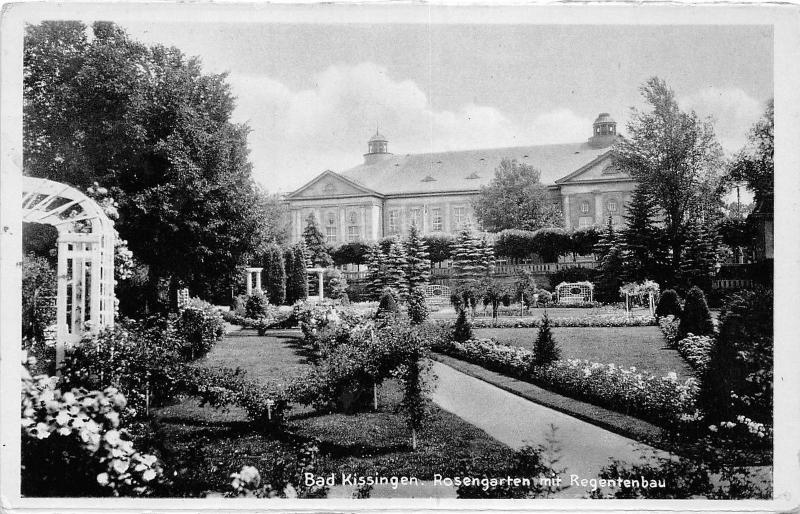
(85, 273)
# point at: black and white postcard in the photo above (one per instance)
(369, 257)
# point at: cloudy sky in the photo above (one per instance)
(314, 93)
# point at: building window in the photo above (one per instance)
(436, 219)
(330, 229)
(352, 227)
(415, 217)
(584, 207)
(459, 217)
(612, 206)
(394, 221)
(616, 220)
(585, 221)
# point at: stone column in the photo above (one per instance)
(565, 211)
(319, 275)
(258, 281)
(249, 283)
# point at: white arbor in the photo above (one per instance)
(85, 292)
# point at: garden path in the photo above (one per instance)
(515, 421)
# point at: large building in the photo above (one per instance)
(388, 192)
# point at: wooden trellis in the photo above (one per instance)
(85, 273)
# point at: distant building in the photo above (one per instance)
(387, 193)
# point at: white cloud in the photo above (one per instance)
(732, 110)
(297, 134)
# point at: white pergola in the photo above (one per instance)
(85, 274)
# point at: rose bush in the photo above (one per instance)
(658, 399)
(696, 350)
(613, 320)
(73, 443)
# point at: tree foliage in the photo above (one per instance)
(147, 124)
(669, 304)
(515, 199)
(467, 256)
(545, 349)
(675, 157)
(644, 247)
(315, 243)
(274, 274)
(296, 276)
(418, 264)
(754, 165)
(439, 246)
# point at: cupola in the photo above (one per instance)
(604, 131)
(378, 149)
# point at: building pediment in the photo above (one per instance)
(331, 185)
(600, 169)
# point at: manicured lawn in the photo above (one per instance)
(642, 347)
(206, 445)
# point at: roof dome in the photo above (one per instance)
(604, 117)
(378, 137)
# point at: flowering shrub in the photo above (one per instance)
(314, 318)
(141, 359)
(72, 443)
(696, 350)
(200, 326)
(640, 289)
(285, 480)
(256, 305)
(584, 321)
(659, 399)
(669, 328)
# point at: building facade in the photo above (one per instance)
(388, 193)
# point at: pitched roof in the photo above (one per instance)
(467, 170)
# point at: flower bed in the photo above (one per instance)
(576, 321)
(661, 400)
(696, 350)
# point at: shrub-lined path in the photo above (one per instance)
(507, 418)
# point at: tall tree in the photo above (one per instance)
(609, 278)
(396, 265)
(376, 271)
(466, 256)
(515, 199)
(315, 243)
(676, 156)
(418, 267)
(147, 124)
(487, 260)
(755, 164)
(274, 274)
(296, 276)
(643, 245)
(699, 259)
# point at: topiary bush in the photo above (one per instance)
(199, 327)
(387, 306)
(545, 348)
(462, 330)
(669, 304)
(256, 306)
(417, 307)
(696, 318)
